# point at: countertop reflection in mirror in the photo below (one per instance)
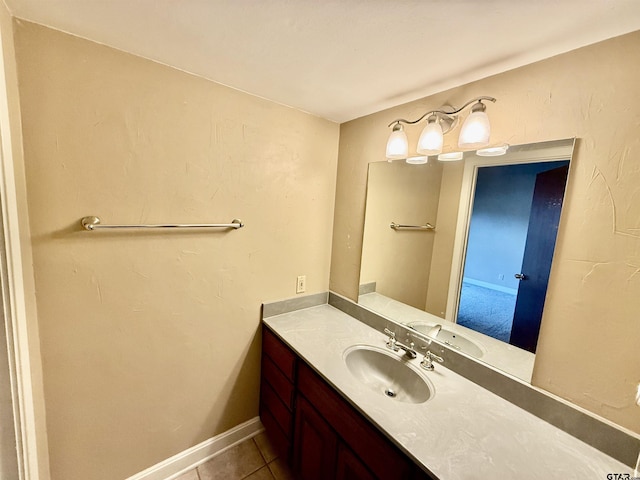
(494, 218)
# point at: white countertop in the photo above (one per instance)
(463, 431)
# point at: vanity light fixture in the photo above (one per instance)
(493, 151)
(431, 138)
(418, 160)
(397, 145)
(451, 156)
(475, 131)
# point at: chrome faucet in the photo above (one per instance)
(434, 331)
(394, 345)
(408, 350)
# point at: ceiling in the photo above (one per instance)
(339, 59)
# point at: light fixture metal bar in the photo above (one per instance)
(442, 112)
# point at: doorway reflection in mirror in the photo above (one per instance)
(512, 233)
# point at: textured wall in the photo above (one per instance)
(590, 334)
(150, 340)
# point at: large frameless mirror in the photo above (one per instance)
(462, 251)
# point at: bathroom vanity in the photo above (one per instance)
(326, 437)
(330, 419)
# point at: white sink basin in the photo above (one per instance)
(450, 338)
(386, 373)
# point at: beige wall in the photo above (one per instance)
(150, 340)
(588, 351)
(399, 261)
(20, 302)
(440, 274)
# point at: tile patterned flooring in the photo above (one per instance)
(253, 459)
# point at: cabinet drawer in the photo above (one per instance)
(270, 401)
(280, 354)
(377, 452)
(276, 379)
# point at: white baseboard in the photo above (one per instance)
(492, 286)
(190, 458)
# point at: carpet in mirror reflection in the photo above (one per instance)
(486, 311)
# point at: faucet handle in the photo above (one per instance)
(427, 361)
(433, 356)
(391, 343)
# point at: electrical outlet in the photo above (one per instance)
(638, 395)
(301, 284)
(501, 276)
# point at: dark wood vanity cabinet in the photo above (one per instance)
(349, 466)
(315, 447)
(318, 432)
(277, 392)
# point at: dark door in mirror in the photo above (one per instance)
(516, 209)
(546, 206)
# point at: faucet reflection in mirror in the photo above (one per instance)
(475, 131)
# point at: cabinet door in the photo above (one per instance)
(349, 467)
(382, 458)
(315, 446)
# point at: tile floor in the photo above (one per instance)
(253, 459)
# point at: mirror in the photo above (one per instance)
(456, 282)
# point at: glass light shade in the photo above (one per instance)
(431, 139)
(418, 160)
(397, 145)
(450, 157)
(475, 131)
(493, 151)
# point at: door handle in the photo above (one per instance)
(520, 276)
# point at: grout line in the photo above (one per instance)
(256, 470)
(262, 456)
(253, 439)
(264, 462)
(273, 475)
